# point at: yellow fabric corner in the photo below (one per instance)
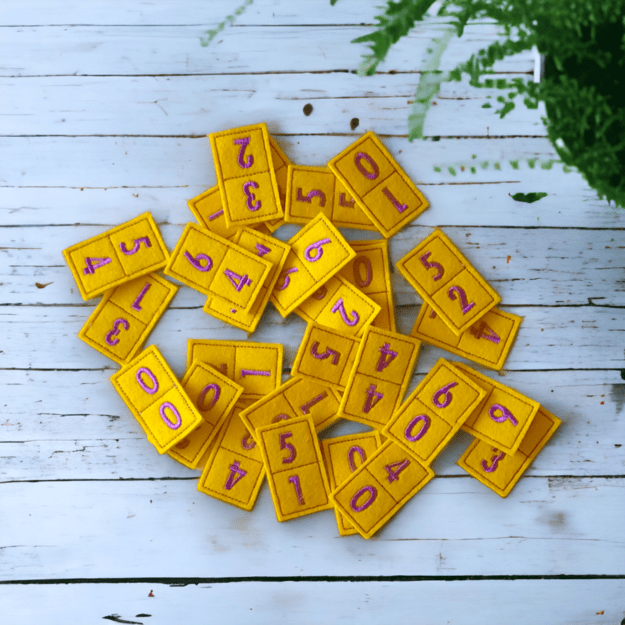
(295, 472)
(504, 417)
(150, 390)
(379, 488)
(500, 471)
(208, 210)
(310, 191)
(120, 254)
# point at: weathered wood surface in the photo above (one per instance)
(103, 115)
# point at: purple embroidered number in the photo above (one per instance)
(422, 432)
(245, 372)
(346, 203)
(251, 202)
(139, 377)
(174, 425)
(464, 302)
(286, 279)
(362, 260)
(136, 305)
(243, 143)
(280, 417)
(372, 398)
(317, 248)
(387, 355)
(219, 213)
(315, 400)
(494, 461)
(329, 352)
(196, 261)
(340, 307)
(395, 468)
(287, 447)
(247, 442)
(373, 495)
(432, 265)
(261, 249)
(95, 263)
(236, 475)
(394, 201)
(294, 479)
(237, 281)
(135, 248)
(311, 194)
(375, 170)
(442, 398)
(484, 331)
(110, 337)
(505, 414)
(356, 449)
(216, 393)
(320, 293)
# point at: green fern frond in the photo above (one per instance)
(230, 19)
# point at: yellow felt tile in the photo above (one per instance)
(500, 471)
(434, 412)
(379, 488)
(488, 341)
(245, 175)
(346, 213)
(310, 191)
(192, 449)
(297, 396)
(294, 285)
(503, 418)
(126, 315)
(326, 356)
(281, 163)
(447, 282)
(209, 212)
(386, 317)
(150, 390)
(257, 367)
(120, 254)
(378, 184)
(342, 456)
(311, 308)
(295, 471)
(216, 266)
(246, 320)
(370, 401)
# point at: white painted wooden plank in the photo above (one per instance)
(454, 526)
(428, 602)
(549, 338)
(545, 266)
(150, 50)
(186, 105)
(72, 425)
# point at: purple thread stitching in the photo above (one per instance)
(136, 246)
(341, 309)
(262, 249)
(478, 333)
(115, 331)
(395, 468)
(232, 276)
(464, 302)
(142, 384)
(400, 207)
(215, 215)
(250, 444)
(136, 304)
(424, 428)
(350, 456)
(294, 479)
(287, 447)
(243, 143)
(370, 175)
(251, 202)
(369, 271)
(315, 246)
(505, 414)
(372, 395)
(100, 262)
(315, 400)
(383, 361)
(196, 261)
(373, 494)
(494, 461)
(168, 423)
(280, 417)
(287, 280)
(346, 203)
(320, 293)
(235, 469)
(308, 198)
(216, 393)
(428, 265)
(329, 352)
(245, 372)
(444, 391)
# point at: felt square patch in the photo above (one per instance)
(280, 166)
(379, 488)
(447, 282)
(209, 212)
(234, 471)
(434, 412)
(341, 457)
(310, 191)
(500, 471)
(264, 246)
(379, 378)
(318, 251)
(120, 254)
(326, 356)
(503, 417)
(296, 397)
(346, 213)
(123, 320)
(245, 175)
(338, 305)
(378, 184)
(295, 471)
(150, 390)
(216, 266)
(257, 367)
(488, 341)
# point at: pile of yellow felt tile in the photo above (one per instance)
(231, 414)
